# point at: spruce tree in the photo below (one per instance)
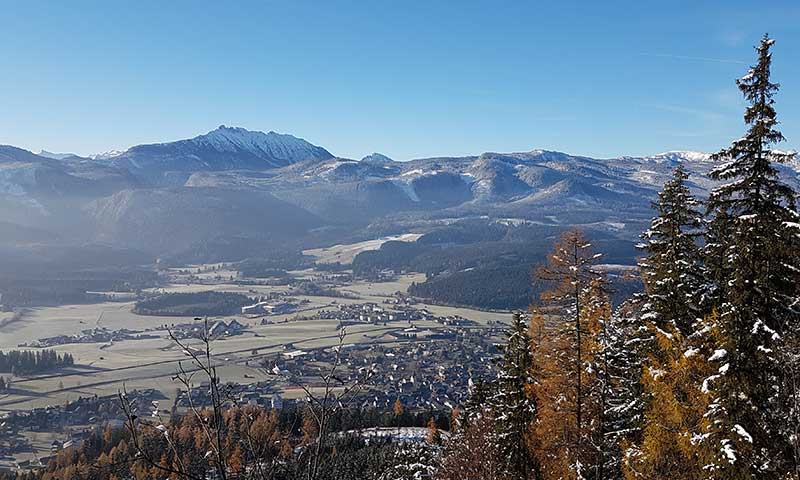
(513, 407)
(630, 343)
(601, 362)
(477, 401)
(758, 295)
(672, 268)
(411, 461)
(616, 390)
(471, 452)
(672, 274)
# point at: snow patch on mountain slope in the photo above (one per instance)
(402, 434)
(11, 181)
(408, 188)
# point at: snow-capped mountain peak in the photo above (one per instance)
(682, 156)
(377, 158)
(271, 145)
(106, 155)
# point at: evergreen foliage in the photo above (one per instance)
(617, 390)
(511, 402)
(28, 362)
(672, 269)
(758, 292)
(471, 453)
(198, 304)
(671, 306)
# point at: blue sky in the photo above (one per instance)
(408, 79)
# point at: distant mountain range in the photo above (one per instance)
(234, 182)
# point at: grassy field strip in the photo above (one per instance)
(171, 361)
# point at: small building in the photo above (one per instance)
(259, 308)
(222, 328)
(268, 308)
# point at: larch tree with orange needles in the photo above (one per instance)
(565, 361)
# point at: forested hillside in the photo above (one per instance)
(201, 304)
(482, 263)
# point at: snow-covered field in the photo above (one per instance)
(401, 434)
(345, 254)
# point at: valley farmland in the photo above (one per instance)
(102, 368)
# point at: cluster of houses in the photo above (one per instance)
(435, 373)
(359, 312)
(426, 368)
(430, 372)
(76, 420)
(376, 313)
(93, 335)
(218, 329)
(11, 444)
(84, 411)
(261, 393)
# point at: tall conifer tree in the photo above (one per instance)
(672, 273)
(672, 268)
(567, 428)
(512, 403)
(758, 299)
(616, 391)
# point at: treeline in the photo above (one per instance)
(260, 269)
(27, 362)
(501, 287)
(37, 274)
(200, 304)
(696, 378)
(464, 232)
(464, 244)
(318, 290)
(274, 265)
(253, 436)
(491, 288)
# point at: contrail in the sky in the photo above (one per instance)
(699, 59)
